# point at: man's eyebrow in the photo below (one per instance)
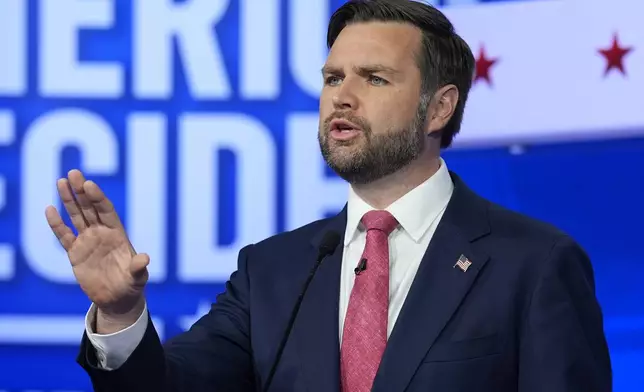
(330, 69)
(374, 68)
(361, 70)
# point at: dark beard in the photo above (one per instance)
(381, 155)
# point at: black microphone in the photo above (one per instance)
(362, 265)
(329, 242)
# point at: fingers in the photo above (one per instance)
(86, 203)
(102, 205)
(71, 205)
(64, 234)
(77, 182)
(138, 268)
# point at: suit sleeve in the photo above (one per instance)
(214, 355)
(563, 346)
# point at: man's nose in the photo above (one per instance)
(345, 98)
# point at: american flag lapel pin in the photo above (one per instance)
(463, 263)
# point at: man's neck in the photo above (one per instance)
(383, 192)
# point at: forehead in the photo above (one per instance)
(389, 43)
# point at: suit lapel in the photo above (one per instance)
(437, 290)
(317, 327)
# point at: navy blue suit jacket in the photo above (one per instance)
(523, 317)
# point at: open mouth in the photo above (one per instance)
(344, 130)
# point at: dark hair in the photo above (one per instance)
(445, 57)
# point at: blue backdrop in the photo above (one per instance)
(149, 138)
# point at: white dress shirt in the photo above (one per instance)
(418, 213)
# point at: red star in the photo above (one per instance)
(483, 65)
(615, 56)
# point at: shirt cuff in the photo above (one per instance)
(112, 350)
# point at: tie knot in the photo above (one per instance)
(379, 220)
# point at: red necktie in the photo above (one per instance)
(365, 327)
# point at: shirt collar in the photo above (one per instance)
(415, 211)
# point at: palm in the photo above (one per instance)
(101, 260)
(104, 263)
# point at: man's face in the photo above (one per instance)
(372, 119)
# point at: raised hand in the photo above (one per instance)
(104, 262)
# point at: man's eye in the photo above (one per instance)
(377, 80)
(332, 80)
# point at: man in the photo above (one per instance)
(433, 288)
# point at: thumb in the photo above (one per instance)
(138, 266)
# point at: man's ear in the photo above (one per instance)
(442, 107)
